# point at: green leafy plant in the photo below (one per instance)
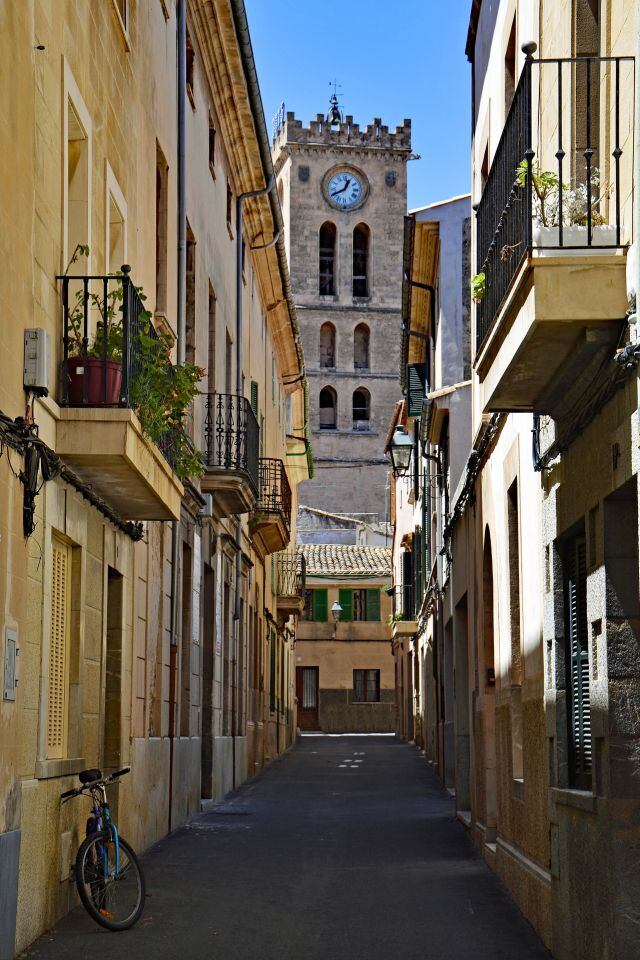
(478, 287)
(162, 394)
(575, 199)
(108, 308)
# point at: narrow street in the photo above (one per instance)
(346, 847)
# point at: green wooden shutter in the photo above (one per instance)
(373, 604)
(254, 397)
(346, 602)
(416, 382)
(320, 605)
(577, 654)
(417, 567)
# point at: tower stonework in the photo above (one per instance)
(343, 192)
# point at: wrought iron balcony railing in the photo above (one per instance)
(103, 320)
(274, 492)
(103, 317)
(231, 435)
(290, 574)
(404, 603)
(561, 170)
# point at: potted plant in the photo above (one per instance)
(575, 204)
(102, 366)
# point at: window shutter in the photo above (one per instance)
(417, 566)
(416, 382)
(57, 706)
(578, 663)
(320, 605)
(272, 671)
(254, 397)
(373, 604)
(346, 602)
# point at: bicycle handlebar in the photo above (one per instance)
(112, 776)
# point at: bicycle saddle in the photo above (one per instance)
(86, 776)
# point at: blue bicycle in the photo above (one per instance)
(108, 874)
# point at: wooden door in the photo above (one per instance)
(307, 695)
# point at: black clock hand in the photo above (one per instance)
(342, 190)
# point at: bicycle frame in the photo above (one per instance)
(102, 816)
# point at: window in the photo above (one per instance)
(328, 408)
(327, 259)
(361, 260)
(510, 68)
(361, 347)
(514, 619)
(316, 606)
(228, 364)
(59, 653)
(272, 671)
(361, 409)
(212, 147)
(116, 237)
(190, 319)
(77, 213)
(254, 398)
(327, 345)
(577, 664)
(112, 723)
(211, 352)
(191, 56)
(229, 207)
(366, 686)
(359, 605)
(162, 203)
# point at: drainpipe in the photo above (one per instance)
(240, 392)
(181, 14)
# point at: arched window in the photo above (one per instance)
(361, 409)
(361, 347)
(327, 259)
(328, 409)
(327, 345)
(361, 260)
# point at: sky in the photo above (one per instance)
(392, 58)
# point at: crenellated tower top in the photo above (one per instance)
(374, 136)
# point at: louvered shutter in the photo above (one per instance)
(346, 602)
(407, 585)
(577, 654)
(254, 398)
(58, 693)
(415, 388)
(373, 605)
(320, 604)
(417, 566)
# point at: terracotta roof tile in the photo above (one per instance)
(340, 560)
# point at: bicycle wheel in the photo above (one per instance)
(114, 899)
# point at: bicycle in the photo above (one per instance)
(108, 874)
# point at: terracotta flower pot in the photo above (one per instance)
(96, 370)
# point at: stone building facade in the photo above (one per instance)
(344, 671)
(345, 260)
(146, 621)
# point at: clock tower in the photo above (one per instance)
(343, 193)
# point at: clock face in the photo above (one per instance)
(344, 190)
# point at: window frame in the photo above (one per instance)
(368, 674)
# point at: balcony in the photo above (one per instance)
(290, 582)
(553, 226)
(98, 433)
(231, 442)
(271, 519)
(404, 610)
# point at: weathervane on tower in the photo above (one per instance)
(334, 117)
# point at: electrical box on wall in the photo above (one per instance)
(37, 361)
(10, 681)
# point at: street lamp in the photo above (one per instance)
(336, 610)
(400, 450)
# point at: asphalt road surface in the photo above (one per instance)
(344, 849)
